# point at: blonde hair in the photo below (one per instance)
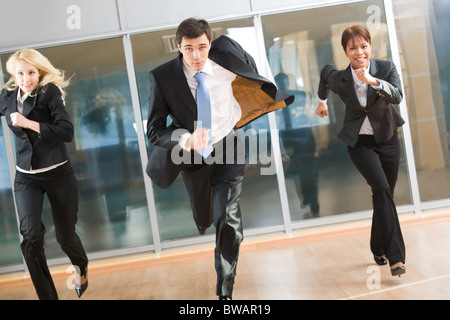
(48, 73)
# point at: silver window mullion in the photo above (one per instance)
(276, 149)
(141, 141)
(11, 165)
(392, 32)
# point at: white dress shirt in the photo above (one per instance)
(361, 92)
(225, 110)
(20, 100)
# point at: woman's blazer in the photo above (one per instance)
(381, 104)
(45, 105)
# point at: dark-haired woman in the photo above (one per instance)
(371, 89)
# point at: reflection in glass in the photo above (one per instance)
(299, 146)
(424, 51)
(9, 235)
(172, 204)
(320, 178)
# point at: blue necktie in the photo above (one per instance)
(203, 111)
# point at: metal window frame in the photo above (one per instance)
(9, 145)
(395, 52)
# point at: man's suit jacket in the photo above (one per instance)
(44, 105)
(170, 96)
(380, 108)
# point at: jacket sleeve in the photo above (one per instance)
(245, 55)
(60, 128)
(328, 81)
(2, 102)
(391, 87)
(159, 132)
(226, 45)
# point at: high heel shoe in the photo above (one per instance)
(381, 261)
(398, 271)
(81, 288)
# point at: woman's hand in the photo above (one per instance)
(18, 120)
(322, 110)
(363, 75)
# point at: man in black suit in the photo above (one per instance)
(234, 94)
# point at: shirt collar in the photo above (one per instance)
(20, 98)
(355, 78)
(190, 73)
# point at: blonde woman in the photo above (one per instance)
(32, 102)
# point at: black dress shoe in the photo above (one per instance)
(225, 298)
(81, 288)
(381, 261)
(201, 230)
(398, 271)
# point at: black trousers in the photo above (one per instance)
(61, 187)
(379, 164)
(214, 191)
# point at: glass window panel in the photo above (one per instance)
(320, 177)
(9, 234)
(424, 47)
(113, 210)
(172, 204)
(260, 201)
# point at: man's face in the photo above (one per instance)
(195, 51)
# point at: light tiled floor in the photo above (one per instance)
(331, 262)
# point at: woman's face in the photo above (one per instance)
(358, 51)
(27, 76)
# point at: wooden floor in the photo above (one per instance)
(315, 264)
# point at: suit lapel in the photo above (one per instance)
(11, 103)
(371, 93)
(348, 85)
(28, 104)
(179, 81)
